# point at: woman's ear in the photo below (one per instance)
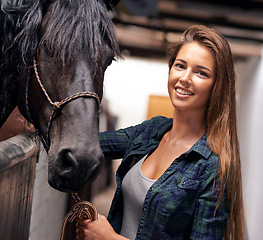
(111, 3)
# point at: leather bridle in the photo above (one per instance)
(58, 105)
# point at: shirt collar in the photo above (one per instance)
(164, 128)
(202, 147)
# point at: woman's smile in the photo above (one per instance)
(183, 91)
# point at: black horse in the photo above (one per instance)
(52, 61)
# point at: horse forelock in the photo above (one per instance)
(73, 25)
(76, 26)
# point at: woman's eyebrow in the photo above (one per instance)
(199, 66)
(181, 60)
(205, 68)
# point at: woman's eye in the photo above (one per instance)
(179, 66)
(201, 73)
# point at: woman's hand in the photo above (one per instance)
(96, 230)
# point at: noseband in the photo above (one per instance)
(55, 105)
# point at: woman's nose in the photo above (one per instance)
(186, 77)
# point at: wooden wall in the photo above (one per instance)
(18, 156)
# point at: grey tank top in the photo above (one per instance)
(134, 188)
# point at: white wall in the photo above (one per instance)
(250, 116)
(128, 84)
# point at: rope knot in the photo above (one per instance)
(56, 105)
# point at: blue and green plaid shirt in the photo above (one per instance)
(181, 204)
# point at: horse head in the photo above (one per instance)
(67, 46)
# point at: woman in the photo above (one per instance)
(180, 178)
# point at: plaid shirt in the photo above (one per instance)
(181, 203)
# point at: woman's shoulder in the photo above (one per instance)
(159, 122)
(153, 128)
(160, 119)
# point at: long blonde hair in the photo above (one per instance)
(221, 122)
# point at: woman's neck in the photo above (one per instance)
(187, 126)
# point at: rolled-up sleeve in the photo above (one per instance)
(113, 143)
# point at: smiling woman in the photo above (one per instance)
(220, 121)
(172, 181)
(191, 78)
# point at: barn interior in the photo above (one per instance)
(135, 89)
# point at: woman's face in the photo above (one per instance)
(191, 78)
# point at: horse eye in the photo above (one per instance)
(109, 62)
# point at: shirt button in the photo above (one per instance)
(167, 172)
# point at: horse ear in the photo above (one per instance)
(111, 3)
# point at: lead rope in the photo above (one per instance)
(81, 209)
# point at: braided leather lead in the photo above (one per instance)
(82, 209)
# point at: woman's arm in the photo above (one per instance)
(96, 230)
(115, 143)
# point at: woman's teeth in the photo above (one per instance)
(183, 92)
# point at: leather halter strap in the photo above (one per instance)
(55, 105)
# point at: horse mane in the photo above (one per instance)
(75, 25)
(9, 58)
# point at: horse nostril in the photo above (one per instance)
(67, 163)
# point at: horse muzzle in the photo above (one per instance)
(70, 171)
